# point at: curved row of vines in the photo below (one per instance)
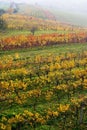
(22, 41)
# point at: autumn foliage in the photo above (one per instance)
(20, 22)
(23, 41)
(43, 92)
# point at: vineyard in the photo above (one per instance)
(36, 11)
(43, 76)
(48, 32)
(44, 92)
(20, 22)
(22, 41)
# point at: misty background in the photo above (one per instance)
(70, 11)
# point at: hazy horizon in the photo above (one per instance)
(72, 10)
(80, 5)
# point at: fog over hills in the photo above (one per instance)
(71, 11)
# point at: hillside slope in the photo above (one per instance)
(51, 13)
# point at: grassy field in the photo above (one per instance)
(9, 33)
(55, 49)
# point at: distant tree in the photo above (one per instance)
(3, 24)
(13, 8)
(2, 12)
(15, 11)
(33, 30)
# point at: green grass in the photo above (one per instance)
(55, 49)
(9, 33)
